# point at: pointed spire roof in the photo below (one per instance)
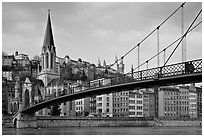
(104, 63)
(48, 39)
(116, 59)
(99, 62)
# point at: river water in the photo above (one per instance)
(106, 131)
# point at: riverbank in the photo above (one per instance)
(45, 122)
(63, 121)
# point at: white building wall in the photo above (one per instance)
(7, 75)
(136, 104)
(139, 105)
(161, 103)
(192, 104)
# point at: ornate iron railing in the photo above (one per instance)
(184, 68)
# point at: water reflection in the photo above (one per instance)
(106, 131)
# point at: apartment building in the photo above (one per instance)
(168, 102)
(135, 104)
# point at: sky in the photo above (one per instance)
(101, 30)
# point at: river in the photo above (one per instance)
(106, 131)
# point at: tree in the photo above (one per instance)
(36, 57)
(86, 113)
(4, 53)
(55, 111)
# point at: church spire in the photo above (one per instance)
(116, 59)
(48, 39)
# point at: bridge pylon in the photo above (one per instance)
(24, 120)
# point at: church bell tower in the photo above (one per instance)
(48, 56)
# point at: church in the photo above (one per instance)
(59, 74)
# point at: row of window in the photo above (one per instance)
(184, 97)
(99, 99)
(79, 102)
(183, 103)
(121, 99)
(135, 96)
(121, 93)
(171, 102)
(79, 108)
(121, 110)
(171, 98)
(137, 102)
(171, 114)
(175, 108)
(184, 92)
(120, 104)
(138, 107)
(138, 113)
(171, 93)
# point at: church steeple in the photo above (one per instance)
(48, 56)
(48, 39)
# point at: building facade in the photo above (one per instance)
(135, 104)
(4, 96)
(148, 103)
(7, 60)
(199, 101)
(168, 102)
(104, 105)
(192, 102)
(184, 101)
(120, 104)
(22, 59)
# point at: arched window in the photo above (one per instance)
(11, 108)
(26, 98)
(47, 60)
(52, 56)
(15, 107)
(43, 62)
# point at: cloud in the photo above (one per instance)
(25, 26)
(92, 30)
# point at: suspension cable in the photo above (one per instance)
(158, 45)
(168, 46)
(164, 54)
(182, 32)
(148, 34)
(183, 37)
(138, 57)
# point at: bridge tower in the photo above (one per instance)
(121, 66)
(24, 95)
(48, 56)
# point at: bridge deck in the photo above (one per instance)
(181, 73)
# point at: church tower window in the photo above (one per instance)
(42, 61)
(47, 60)
(52, 60)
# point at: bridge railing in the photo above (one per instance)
(183, 68)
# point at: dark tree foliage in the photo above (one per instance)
(86, 113)
(55, 111)
(66, 73)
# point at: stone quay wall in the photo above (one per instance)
(180, 123)
(46, 122)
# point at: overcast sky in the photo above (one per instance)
(92, 30)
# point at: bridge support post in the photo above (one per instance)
(23, 120)
(26, 121)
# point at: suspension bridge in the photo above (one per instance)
(183, 72)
